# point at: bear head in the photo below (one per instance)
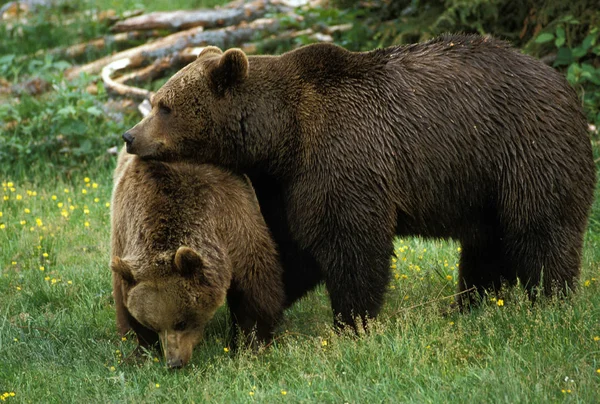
(176, 304)
(192, 114)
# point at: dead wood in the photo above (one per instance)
(121, 89)
(223, 38)
(77, 50)
(185, 19)
(160, 66)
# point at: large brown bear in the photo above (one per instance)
(460, 137)
(184, 238)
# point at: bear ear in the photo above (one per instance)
(229, 70)
(209, 50)
(188, 262)
(123, 268)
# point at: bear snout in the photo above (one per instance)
(175, 363)
(128, 138)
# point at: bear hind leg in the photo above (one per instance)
(547, 261)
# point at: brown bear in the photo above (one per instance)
(185, 238)
(461, 137)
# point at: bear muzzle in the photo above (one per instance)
(175, 363)
(129, 138)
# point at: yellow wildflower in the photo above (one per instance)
(86, 179)
(84, 191)
(2, 226)
(45, 255)
(87, 224)
(596, 338)
(23, 222)
(157, 385)
(226, 349)
(66, 190)
(19, 197)
(46, 278)
(94, 185)
(6, 198)
(500, 302)
(283, 392)
(324, 342)
(9, 184)
(107, 204)
(449, 277)
(96, 200)
(26, 210)
(42, 268)
(54, 197)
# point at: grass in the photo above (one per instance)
(59, 343)
(58, 340)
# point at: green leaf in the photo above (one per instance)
(544, 37)
(574, 73)
(93, 110)
(560, 32)
(588, 42)
(564, 57)
(560, 41)
(578, 52)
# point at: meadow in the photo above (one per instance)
(58, 340)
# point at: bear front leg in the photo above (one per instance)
(357, 272)
(123, 325)
(483, 267)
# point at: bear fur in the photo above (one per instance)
(185, 238)
(461, 137)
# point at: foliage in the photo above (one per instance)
(64, 130)
(569, 29)
(581, 60)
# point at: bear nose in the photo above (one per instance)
(175, 363)
(128, 138)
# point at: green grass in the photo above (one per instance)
(58, 340)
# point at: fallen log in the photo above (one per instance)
(223, 38)
(185, 19)
(77, 50)
(118, 88)
(160, 66)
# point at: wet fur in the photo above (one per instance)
(460, 137)
(159, 207)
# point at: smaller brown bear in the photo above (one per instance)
(184, 238)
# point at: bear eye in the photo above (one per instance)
(164, 109)
(180, 326)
